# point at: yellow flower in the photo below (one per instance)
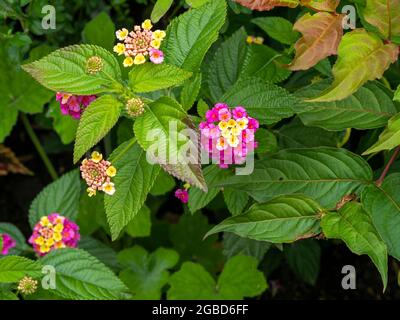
(233, 141)
(59, 245)
(223, 125)
(139, 59)
(226, 133)
(50, 242)
(147, 24)
(39, 241)
(231, 123)
(156, 43)
(111, 171)
(119, 48)
(186, 186)
(250, 39)
(44, 248)
(91, 192)
(128, 61)
(108, 188)
(44, 221)
(58, 227)
(57, 236)
(97, 156)
(236, 131)
(159, 34)
(242, 123)
(258, 40)
(122, 34)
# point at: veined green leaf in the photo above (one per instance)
(235, 245)
(100, 31)
(277, 28)
(14, 268)
(235, 200)
(160, 9)
(190, 91)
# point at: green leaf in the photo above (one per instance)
(278, 28)
(8, 295)
(304, 259)
(355, 227)
(266, 141)
(160, 9)
(65, 70)
(163, 184)
(235, 245)
(146, 274)
(202, 108)
(226, 65)
(171, 142)
(99, 250)
(61, 196)
(389, 138)
(190, 91)
(140, 225)
(235, 200)
(397, 94)
(81, 276)
(187, 238)
(14, 268)
(151, 77)
(134, 179)
(8, 118)
(383, 205)
(362, 56)
(99, 117)
(196, 3)
(100, 31)
(190, 35)
(325, 174)
(281, 220)
(369, 107)
(264, 101)
(17, 235)
(89, 207)
(240, 278)
(65, 126)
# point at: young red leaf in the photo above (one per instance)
(265, 5)
(321, 5)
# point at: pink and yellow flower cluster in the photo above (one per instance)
(139, 44)
(73, 105)
(53, 232)
(97, 173)
(228, 134)
(8, 243)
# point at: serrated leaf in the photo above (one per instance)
(354, 226)
(81, 276)
(8, 118)
(190, 35)
(190, 91)
(266, 142)
(160, 9)
(235, 245)
(322, 33)
(99, 117)
(265, 5)
(240, 278)
(325, 174)
(383, 205)
(99, 250)
(235, 200)
(281, 220)
(61, 196)
(134, 179)
(277, 28)
(362, 56)
(14, 268)
(151, 77)
(264, 101)
(389, 138)
(321, 5)
(7, 295)
(16, 235)
(146, 274)
(100, 31)
(65, 70)
(369, 107)
(165, 121)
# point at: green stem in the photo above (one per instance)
(125, 150)
(35, 140)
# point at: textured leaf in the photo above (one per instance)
(354, 226)
(235, 200)
(140, 225)
(226, 65)
(369, 107)
(389, 138)
(89, 208)
(151, 77)
(277, 28)
(190, 91)
(65, 70)
(100, 31)
(17, 235)
(14, 268)
(99, 250)
(264, 101)
(163, 184)
(146, 274)
(8, 295)
(196, 3)
(160, 9)
(322, 33)
(280, 220)
(266, 142)
(61, 196)
(235, 245)
(321, 5)
(158, 123)
(265, 5)
(134, 179)
(362, 56)
(99, 117)
(190, 35)
(8, 118)
(383, 205)
(325, 174)
(240, 278)
(397, 94)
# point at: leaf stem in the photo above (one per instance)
(125, 150)
(387, 167)
(35, 140)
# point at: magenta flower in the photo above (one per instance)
(239, 112)
(73, 105)
(182, 195)
(8, 243)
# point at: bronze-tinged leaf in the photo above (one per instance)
(322, 33)
(265, 5)
(321, 5)
(9, 163)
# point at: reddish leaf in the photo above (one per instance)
(265, 5)
(9, 163)
(321, 5)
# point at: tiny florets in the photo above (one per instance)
(74, 105)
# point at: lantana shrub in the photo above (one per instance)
(279, 119)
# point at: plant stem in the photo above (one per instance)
(388, 165)
(35, 140)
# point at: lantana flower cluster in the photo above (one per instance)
(228, 134)
(74, 105)
(139, 44)
(255, 40)
(8, 243)
(53, 232)
(97, 173)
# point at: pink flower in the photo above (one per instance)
(239, 112)
(156, 56)
(182, 195)
(73, 105)
(218, 106)
(253, 124)
(8, 243)
(248, 135)
(224, 114)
